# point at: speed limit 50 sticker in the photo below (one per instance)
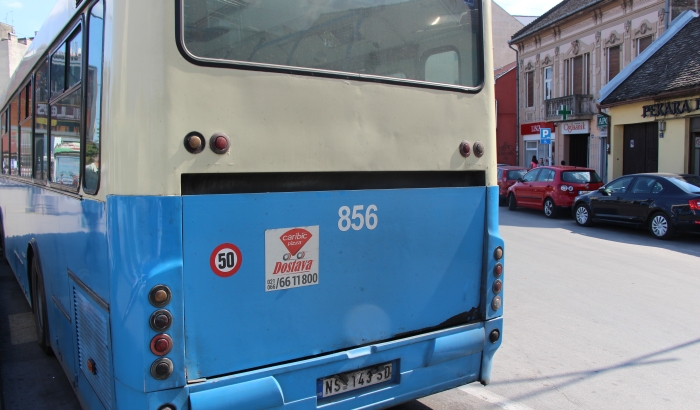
(225, 260)
(291, 257)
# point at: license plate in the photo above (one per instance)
(358, 379)
(584, 192)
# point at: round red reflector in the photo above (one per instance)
(497, 286)
(497, 270)
(161, 344)
(219, 143)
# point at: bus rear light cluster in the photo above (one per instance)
(478, 149)
(497, 286)
(465, 148)
(161, 344)
(195, 142)
(159, 296)
(497, 270)
(219, 143)
(162, 368)
(161, 320)
(167, 407)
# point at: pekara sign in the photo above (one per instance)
(663, 109)
(574, 127)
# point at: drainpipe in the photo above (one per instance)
(517, 106)
(607, 153)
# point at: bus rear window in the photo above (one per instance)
(404, 40)
(580, 177)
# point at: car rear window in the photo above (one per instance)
(518, 173)
(580, 177)
(690, 184)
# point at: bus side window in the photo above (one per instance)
(25, 132)
(14, 134)
(5, 145)
(443, 67)
(94, 98)
(41, 81)
(65, 132)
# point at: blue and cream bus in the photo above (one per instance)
(257, 204)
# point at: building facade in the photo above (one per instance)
(654, 106)
(506, 113)
(12, 50)
(565, 57)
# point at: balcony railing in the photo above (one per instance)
(581, 106)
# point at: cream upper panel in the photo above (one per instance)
(276, 122)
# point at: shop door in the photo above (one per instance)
(578, 150)
(641, 148)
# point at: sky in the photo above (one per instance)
(27, 15)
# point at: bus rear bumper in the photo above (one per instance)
(425, 364)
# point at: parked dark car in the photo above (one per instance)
(663, 203)
(507, 176)
(551, 188)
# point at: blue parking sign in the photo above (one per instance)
(545, 135)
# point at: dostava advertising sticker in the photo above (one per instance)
(291, 257)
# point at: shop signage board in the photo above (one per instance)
(574, 127)
(663, 109)
(533, 128)
(602, 121)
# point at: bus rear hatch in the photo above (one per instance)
(276, 277)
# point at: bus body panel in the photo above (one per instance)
(418, 268)
(145, 239)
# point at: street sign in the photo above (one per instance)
(602, 121)
(545, 135)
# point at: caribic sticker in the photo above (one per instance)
(225, 260)
(291, 257)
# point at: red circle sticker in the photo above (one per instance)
(226, 260)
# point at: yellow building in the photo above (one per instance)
(654, 106)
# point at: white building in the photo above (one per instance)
(11, 52)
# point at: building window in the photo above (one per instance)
(577, 75)
(547, 75)
(643, 43)
(613, 62)
(530, 82)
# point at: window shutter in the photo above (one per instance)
(613, 62)
(643, 43)
(578, 75)
(530, 88)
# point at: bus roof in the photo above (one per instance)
(60, 15)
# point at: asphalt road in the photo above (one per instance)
(600, 317)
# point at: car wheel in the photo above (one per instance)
(39, 308)
(550, 211)
(660, 226)
(583, 215)
(512, 202)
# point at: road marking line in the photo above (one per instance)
(22, 328)
(480, 392)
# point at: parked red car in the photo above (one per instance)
(551, 188)
(507, 176)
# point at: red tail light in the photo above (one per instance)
(694, 204)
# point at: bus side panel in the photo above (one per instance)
(145, 239)
(417, 266)
(69, 235)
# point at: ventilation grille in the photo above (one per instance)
(92, 329)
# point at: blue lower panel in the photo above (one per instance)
(426, 364)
